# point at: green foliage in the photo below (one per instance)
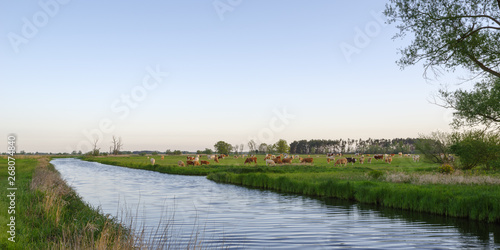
(481, 106)
(177, 152)
(446, 169)
(477, 147)
(154, 153)
(223, 147)
(282, 146)
(142, 154)
(449, 34)
(433, 145)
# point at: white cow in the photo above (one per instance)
(270, 162)
(152, 161)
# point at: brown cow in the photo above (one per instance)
(277, 160)
(205, 163)
(378, 157)
(369, 160)
(341, 161)
(307, 160)
(287, 160)
(181, 164)
(250, 160)
(388, 160)
(196, 163)
(190, 163)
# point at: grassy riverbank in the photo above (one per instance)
(402, 184)
(50, 215)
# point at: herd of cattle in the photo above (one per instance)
(272, 160)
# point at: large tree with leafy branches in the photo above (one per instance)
(451, 34)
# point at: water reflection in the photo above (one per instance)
(239, 217)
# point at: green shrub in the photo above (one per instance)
(446, 169)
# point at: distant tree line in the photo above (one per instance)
(369, 146)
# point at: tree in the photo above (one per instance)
(223, 147)
(263, 148)
(477, 147)
(481, 106)
(252, 146)
(117, 145)
(95, 150)
(207, 151)
(449, 33)
(435, 147)
(282, 146)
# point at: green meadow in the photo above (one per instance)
(403, 184)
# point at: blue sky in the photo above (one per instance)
(186, 74)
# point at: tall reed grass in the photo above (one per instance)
(479, 202)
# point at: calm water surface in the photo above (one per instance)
(222, 215)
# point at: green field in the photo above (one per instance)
(402, 184)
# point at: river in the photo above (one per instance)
(193, 210)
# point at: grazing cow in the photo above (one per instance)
(378, 157)
(270, 162)
(388, 160)
(250, 160)
(416, 158)
(205, 162)
(196, 163)
(216, 159)
(368, 155)
(152, 161)
(189, 158)
(351, 160)
(163, 157)
(190, 163)
(392, 155)
(287, 161)
(330, 158)
(362, 160)
(181, 164)
(341, 161)
(307, 160)
(400, 154)
(369, 160)
(210, 157)
(277, 160)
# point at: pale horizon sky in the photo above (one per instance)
(186, 74)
